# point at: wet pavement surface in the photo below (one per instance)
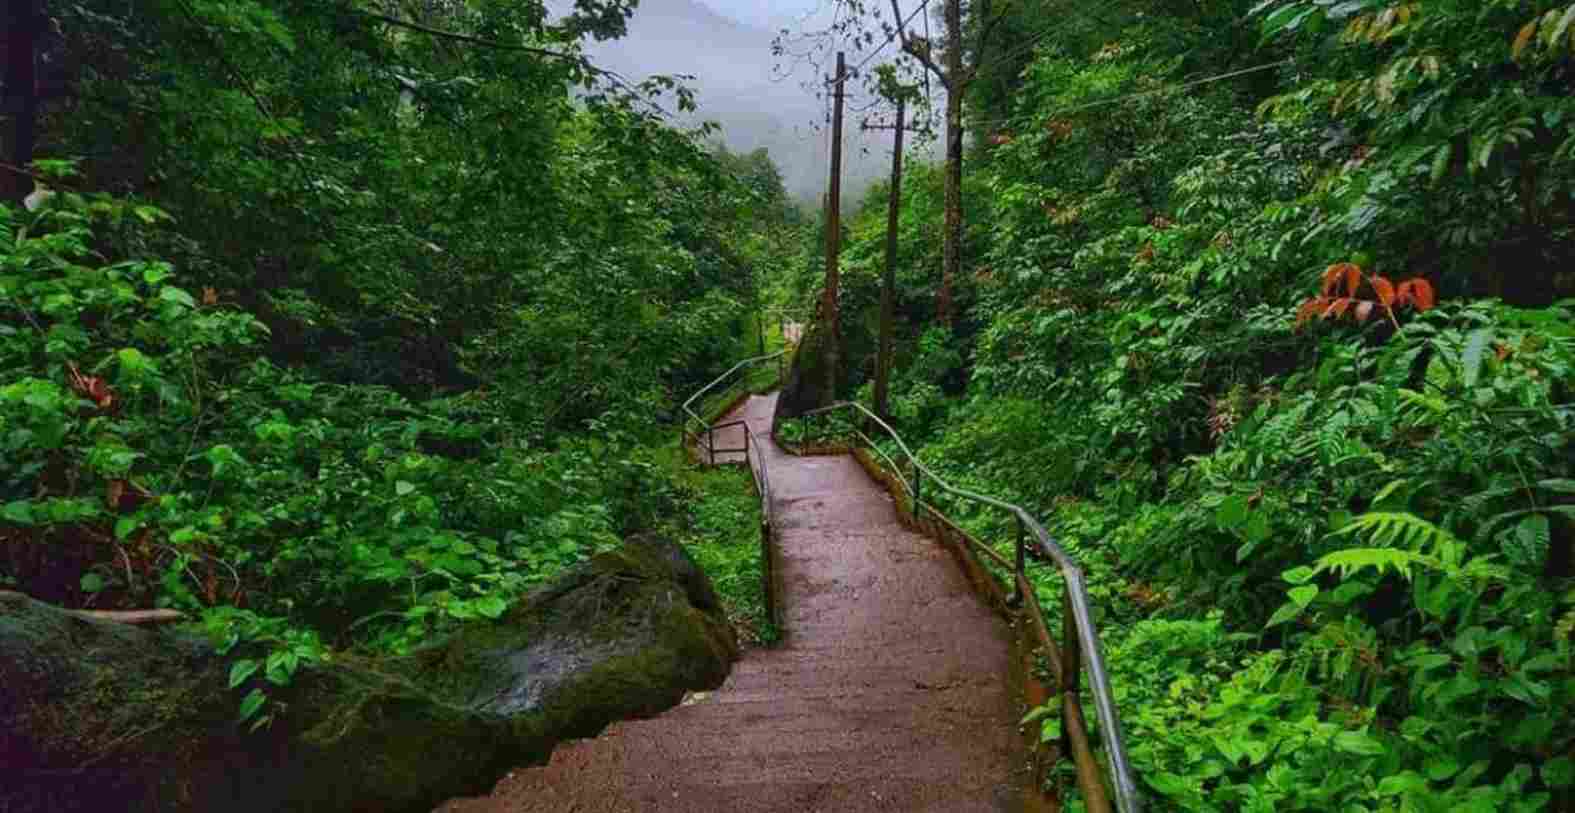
(889, 692)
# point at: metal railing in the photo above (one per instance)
(702, 432)
(1080, 649)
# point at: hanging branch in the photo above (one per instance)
(613, 78)
(486, 43)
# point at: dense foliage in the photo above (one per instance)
(336, 328)
(1269, 315)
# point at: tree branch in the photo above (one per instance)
(458, 37)
(120, 616)
(921, 54)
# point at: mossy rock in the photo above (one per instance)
(101, 716)
(805, 388)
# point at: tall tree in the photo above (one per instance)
(831, 330)
(956, 74)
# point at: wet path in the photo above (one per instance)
(889, 692)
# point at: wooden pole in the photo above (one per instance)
(889, 282)
(830, 328)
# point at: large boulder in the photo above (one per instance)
(805, 387)
(96, 715)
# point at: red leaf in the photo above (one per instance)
(1422, 296)
(1385, 290)
(90, 387)
(1364, 309)
(1353, 278)
(1331, 278)
(1338, 307)
(1311, 308)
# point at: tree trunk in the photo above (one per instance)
(832, 330)
(889, 283)
(951, 256)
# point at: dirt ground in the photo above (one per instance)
(889, 692)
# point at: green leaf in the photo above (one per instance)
(1304, 595)
(252, 704)
(1440, 767)
(132, 361)
(404, 487)
(125, 526)
(1559, 772)
(1441, 161)
(150, 215)
(1477, 345)
(1287, 612)
(1360, 743)
(241, 670)
(155, 273)
(490, 606)
(19, 512)
(1402, 783)
(1298, 575)
(170, 293)
(281, 666)
(1526, 690)
(1231, 513)
(1038, 713)
(92, 582)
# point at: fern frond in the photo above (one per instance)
(1396, 529)
(1354, 560)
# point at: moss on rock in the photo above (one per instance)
(96, 715)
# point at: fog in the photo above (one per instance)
(759, 100)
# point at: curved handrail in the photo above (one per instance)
(1127, 797)
(695, 416)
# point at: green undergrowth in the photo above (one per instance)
(1286, 363)
(719, 523)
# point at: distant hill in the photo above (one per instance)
(733, 69)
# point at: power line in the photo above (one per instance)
(889, 38)
(1142, 94)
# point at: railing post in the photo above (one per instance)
(1022, 561)
(710, 443)
(918, 478)
(1074, 730)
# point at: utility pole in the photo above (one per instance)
(888, 288)
(830, 328)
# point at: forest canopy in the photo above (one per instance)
(335, 325)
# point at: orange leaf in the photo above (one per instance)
(1422, 297)
(1337, 308)
(1310, 308)
(210, 296)
(1522, 39)
(1331, 278)
(1364, 309)
(1348, 273)
(1385, 290)
(113, 492)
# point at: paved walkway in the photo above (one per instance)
(889, 692)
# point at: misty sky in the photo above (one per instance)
(763, 13)
(726, 46)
